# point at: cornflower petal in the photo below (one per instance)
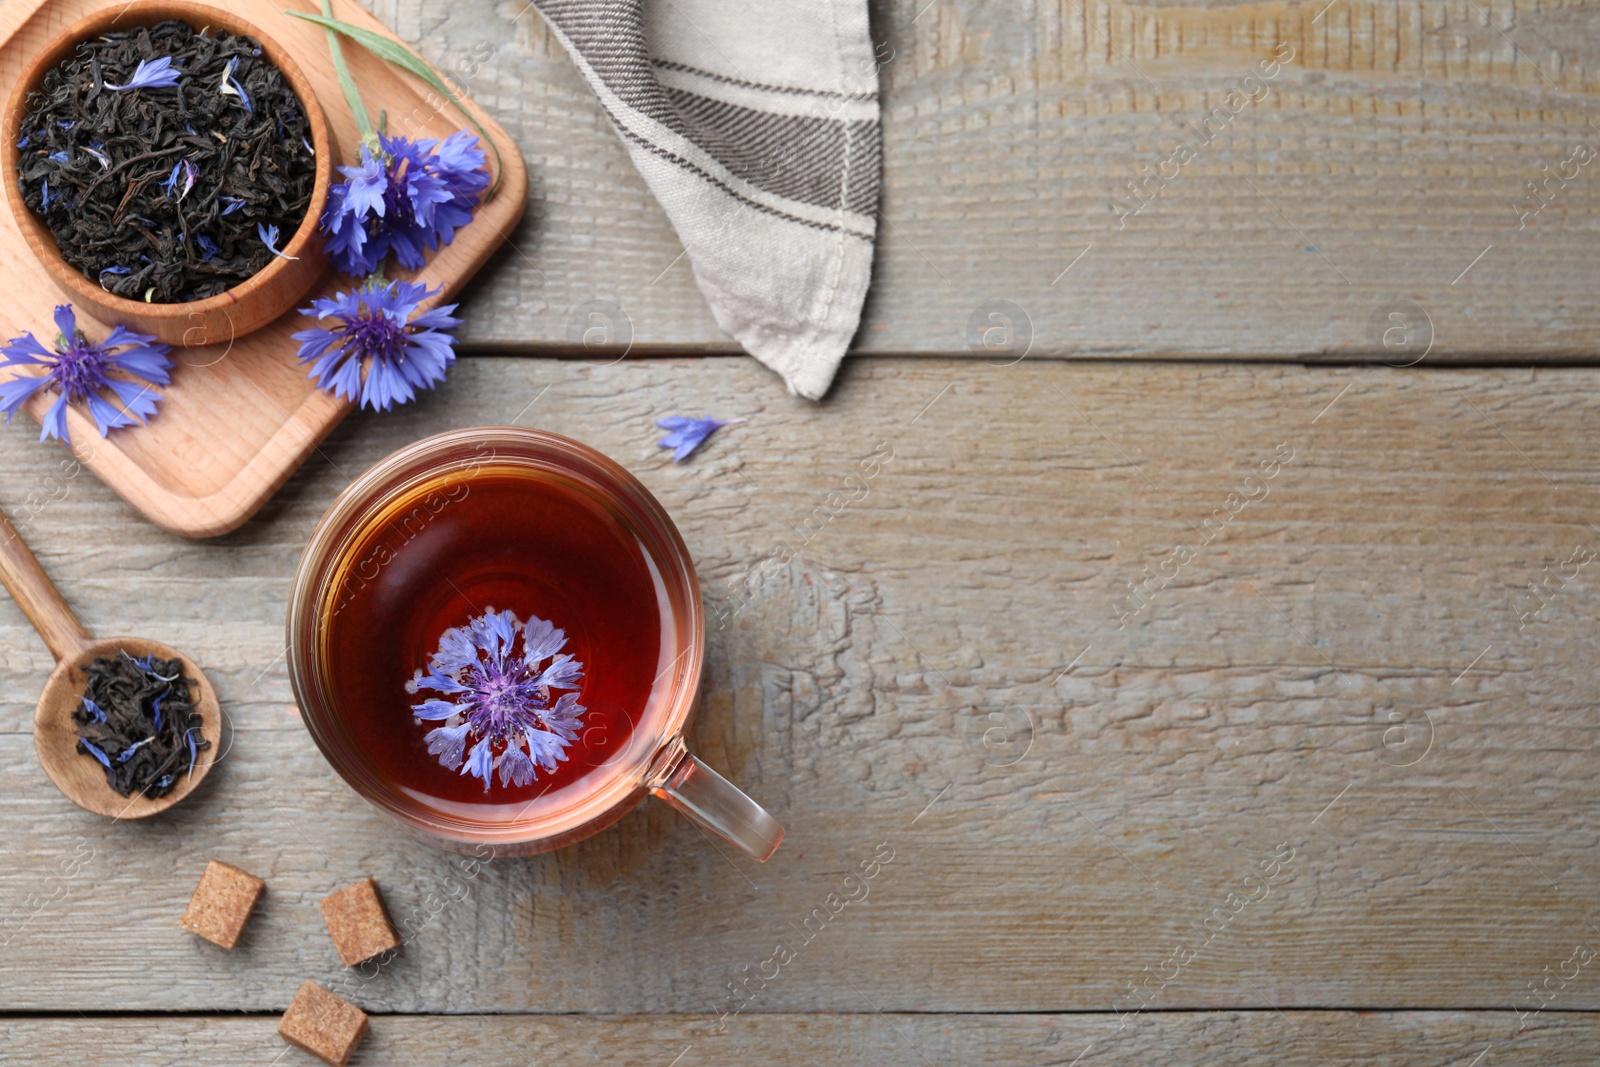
(688, 434)
(25, 349)
(542, 640)
(15, 392)
(457, 651)
(563, 673)
(516, 769)
(548, 748)
(66, 322)
(158, 73)
(54, 423)
(230, 85)
(106, 415)
(137, 400)
(448, 743)
(437, 710)
(480, 763)
(269, 237)
(126, 754)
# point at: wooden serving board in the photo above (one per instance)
(239, 418)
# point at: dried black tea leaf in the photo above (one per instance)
(157, 156)
(138, 719)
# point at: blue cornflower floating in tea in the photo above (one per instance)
(500, 709)
(158, 73)
(376, 328)
(138, 721)
(405, 197)
(688, 434)
(80, 370)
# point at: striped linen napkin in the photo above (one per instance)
(755, 123)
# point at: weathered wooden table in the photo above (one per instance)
(1188, 666)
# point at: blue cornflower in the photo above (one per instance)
(234, 204)
(96, 751)
(405, 197)
(208, 247)
(231, 87)
(100, 157)
(501, 698)
(269, 237)
(374, 328)
(158, 73)
(79, 370)
(60, 157)
(688, 434)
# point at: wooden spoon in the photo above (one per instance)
(77, 774)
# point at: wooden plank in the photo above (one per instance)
(1383, 168)
(1339, 667)
(1305, 1039)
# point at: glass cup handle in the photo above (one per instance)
(717, 805)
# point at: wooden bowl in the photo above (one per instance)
(254, 302)
(79, 776)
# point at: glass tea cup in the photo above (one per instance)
(653, 759)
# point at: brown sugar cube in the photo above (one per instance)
(327, 1026)
(357, 923)
(222, 903)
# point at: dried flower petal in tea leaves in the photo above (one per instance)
(157, 190)
(138, 720)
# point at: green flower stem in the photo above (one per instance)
(397, 54)
(347, 83)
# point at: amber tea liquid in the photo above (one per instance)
(505, 537)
